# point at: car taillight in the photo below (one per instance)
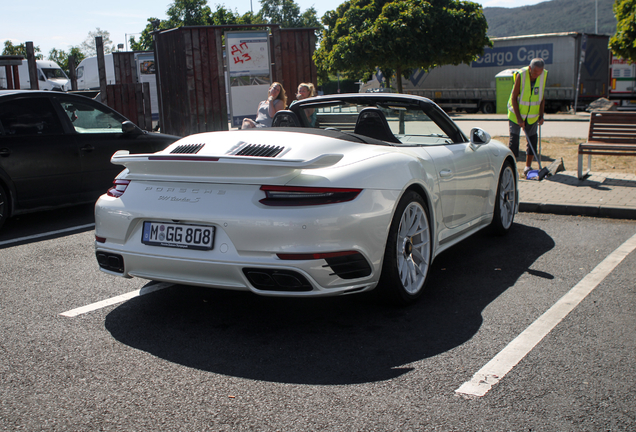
(118, 189)
(302, 196)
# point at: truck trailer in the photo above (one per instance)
(474, 87)
(622, 86)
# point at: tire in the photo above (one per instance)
(488, 108)
(505, 201)
(4, 205)
(551, 108)
(408, 252)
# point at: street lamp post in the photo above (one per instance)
(596, 21)
(126, 37)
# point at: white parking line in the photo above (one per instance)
(114, 300)
(502, 363)
(46, 234)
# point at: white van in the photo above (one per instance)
(50, 76)
(88, 74)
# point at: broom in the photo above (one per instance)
(541, 173)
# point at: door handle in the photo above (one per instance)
(87, 148)
(446, 173)
(4, 152)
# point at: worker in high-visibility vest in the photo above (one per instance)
(525, 107)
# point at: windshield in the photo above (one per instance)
(408, 125)
(52, 73)
(91, 118)
(414, 126)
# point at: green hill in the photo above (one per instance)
(552, 16)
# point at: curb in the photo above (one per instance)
(578, 210)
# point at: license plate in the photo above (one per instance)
(178, 235)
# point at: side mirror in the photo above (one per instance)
(479, 136)
(129, 127)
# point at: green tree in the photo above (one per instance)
(309, 18)
(145, 42)
(62, 57)
(197, 12)
(188, 13)
(400, 36)
(222, 16)
(623, 43)
(249, 18)
(10, 49)
(287, 14)
(88, 46)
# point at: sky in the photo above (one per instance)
(49, 24)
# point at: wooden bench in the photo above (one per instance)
(611, 133)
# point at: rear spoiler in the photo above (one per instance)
(194, 167)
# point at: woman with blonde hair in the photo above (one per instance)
(307, 90)
(276, 101)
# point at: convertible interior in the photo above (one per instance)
(392, 123)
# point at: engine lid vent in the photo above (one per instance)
(260, 150)
(188, 148)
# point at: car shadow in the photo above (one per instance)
(47, 224)
(328, 341)
(599, 182)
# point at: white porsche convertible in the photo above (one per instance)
(364, 199)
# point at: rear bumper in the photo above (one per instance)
(304, 278)
(254, 247)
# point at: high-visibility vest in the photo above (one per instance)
(529, 98)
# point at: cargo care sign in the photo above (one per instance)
(514, 55)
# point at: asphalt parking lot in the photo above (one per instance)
(183, 358)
